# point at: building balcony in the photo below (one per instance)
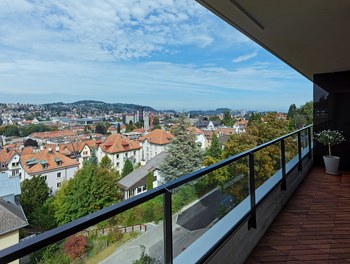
(313, 226)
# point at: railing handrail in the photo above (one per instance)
(54, 235)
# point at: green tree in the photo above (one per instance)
(128, 168)
(34, 193)
(156, 121)
(118, 128)
(106, 163)
(149, 181)
(227, 120)
(93, 188)
(43, 218)
(101, 129)
(184, 154)
(292, 111)
(215, 148)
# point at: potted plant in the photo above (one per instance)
(330, 138)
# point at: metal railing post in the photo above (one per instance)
(283, 166)
(300, 165)
(252, 219)
(309, 140)
(167, 228)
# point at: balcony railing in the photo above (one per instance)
(302, 138)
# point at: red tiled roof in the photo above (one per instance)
(6, 154)
(116, 143)
(138, 130)
(54, 134)
(46, 156)
(158, 136)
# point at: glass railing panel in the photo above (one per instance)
(291, 151)
(267, 162)
(136, 234)
(200, 204)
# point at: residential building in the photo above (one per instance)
(119, 149)
(12, 217)
(240, 126)
(154, 143)
(136, 182)
(10, 162)
(79, 151)
(200, 137)
(53, 166)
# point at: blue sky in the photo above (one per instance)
(168, 54)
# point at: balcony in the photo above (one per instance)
(313, 226)
(207, 229)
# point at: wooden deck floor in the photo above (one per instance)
(313, 227)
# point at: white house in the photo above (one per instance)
(154, 143)
(51, 165)
(9, 162)
(119, 149)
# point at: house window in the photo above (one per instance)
(58, 185)
(58, 174)
(139, 189)
(134, 152)
(45, 177)
(117, 164)
(117, 156)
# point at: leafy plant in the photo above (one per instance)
(75, 246)
(329, 138)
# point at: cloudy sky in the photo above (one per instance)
(169, 54)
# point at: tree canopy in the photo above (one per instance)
(128, 168)
(93, 187)
(184, 154)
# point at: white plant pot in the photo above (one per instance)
(332, 164)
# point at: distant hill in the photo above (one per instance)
(92, 104)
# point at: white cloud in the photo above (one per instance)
(245, 57)
(109, 30)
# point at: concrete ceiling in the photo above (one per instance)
(312, 36)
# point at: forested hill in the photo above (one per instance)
(91, 104)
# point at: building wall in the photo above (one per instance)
(331, 111)
(118, 159)
(150, 150)
(9, 239)
(14, 167)
(54, 178)
(84, 155)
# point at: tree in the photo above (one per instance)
(215, 149)
(184, 154)
(101, 129)
(156, 121)
(149, 181)
(106, 163)
(292, 111)
(128, 168)
(34, 193)
(43, 218)
(227, 120)
(118, 128)
(75, 246)
(92, 188)
(30, 142)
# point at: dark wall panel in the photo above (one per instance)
(332, 110)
